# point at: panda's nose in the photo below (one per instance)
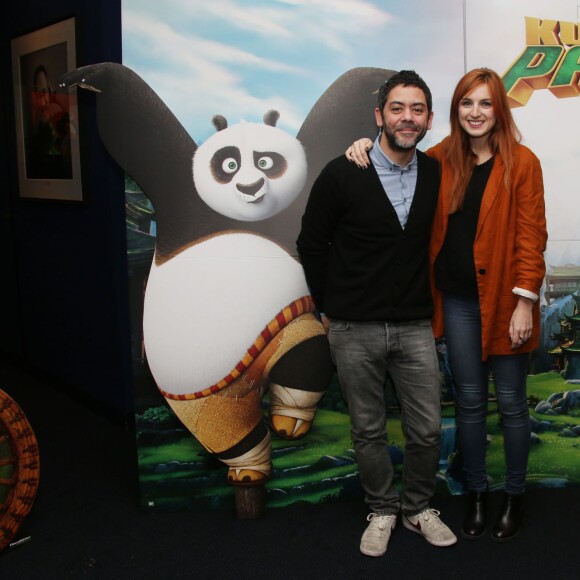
(250, 189)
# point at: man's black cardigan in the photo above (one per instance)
(360, 264)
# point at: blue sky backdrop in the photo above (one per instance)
(240, 59)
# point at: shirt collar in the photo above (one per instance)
(380, 159)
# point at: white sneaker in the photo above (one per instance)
(376, 537)
(428, 524)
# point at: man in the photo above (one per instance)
(364, 247)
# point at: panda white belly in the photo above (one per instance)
(205, 307)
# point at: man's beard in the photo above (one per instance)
(396, 143)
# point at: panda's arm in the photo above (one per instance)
(150, 144)
(343, 114)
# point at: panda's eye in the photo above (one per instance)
(265, 163)
(229, 165)
(225, 163)
(271, 163)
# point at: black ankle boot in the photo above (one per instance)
(475, 520)
(509, 520)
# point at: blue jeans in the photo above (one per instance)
(364, 353)
(463, 336)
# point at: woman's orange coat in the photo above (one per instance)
(508, 249)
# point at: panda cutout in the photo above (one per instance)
(227, 310)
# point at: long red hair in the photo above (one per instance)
(502, 141)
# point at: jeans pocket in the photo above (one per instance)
(338, 325)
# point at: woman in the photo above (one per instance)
(488, 239)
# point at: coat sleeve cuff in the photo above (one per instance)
(525, 293)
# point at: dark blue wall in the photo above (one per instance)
(64, 306)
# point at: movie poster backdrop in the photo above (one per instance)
(242, 59)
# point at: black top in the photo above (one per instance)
(360, 264)
(455, 266)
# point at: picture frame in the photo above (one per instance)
(47, 128)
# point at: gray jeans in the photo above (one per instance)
(364, 353)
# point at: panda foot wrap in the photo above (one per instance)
(253, 467)
(292, 410)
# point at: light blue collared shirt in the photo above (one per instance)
(398, 182)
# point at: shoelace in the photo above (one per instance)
(432, 515)
(378, 521)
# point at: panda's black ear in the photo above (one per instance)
(219, 122)
(271, 117)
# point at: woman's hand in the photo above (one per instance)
(357, 152)
(521, 323)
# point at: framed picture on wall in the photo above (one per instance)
(47, 129)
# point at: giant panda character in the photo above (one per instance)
(205, 305)
(227, 310)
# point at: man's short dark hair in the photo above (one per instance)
(407, 78)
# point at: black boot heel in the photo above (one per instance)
(475, 521)
(509, 521)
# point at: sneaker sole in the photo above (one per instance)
(373, 554)
(438, 543)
